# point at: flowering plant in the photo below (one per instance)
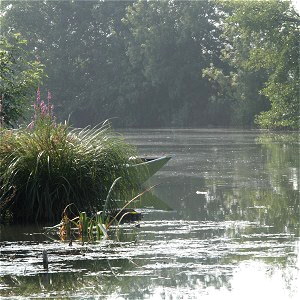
(43, 112)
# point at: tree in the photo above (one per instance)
(238, 91)
(262, 38)
(170, 42)
(139, 61)
(20, 75)
(79, 44)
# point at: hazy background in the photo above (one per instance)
(165, 63)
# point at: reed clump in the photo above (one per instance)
(47, 166)
(92, 228)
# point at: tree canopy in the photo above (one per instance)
(20, 75)
(165, 63)
(265, 37)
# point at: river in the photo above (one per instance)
(223, 222)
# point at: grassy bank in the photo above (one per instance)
(48, 166)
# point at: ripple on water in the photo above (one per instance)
(156, 245)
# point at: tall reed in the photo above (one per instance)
(47, 166)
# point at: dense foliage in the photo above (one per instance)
(47, 166)
(263, 52)
(166, 63)
(19, 77)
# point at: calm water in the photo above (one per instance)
(233, 231)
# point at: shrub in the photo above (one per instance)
(47, 166)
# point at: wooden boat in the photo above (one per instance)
(147, 166)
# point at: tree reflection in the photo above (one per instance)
(258, 184)
(241, 208)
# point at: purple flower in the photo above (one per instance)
(42, 110)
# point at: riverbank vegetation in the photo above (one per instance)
(93, 227)
(165, 63)
(20, 75)
(48, 165)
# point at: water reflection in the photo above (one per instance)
(156, 258)
(234, 231)
(254, 180)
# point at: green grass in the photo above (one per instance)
(44, 169)
(92, 228)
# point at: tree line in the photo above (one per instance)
(154, 63)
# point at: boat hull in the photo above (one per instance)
(148, 167)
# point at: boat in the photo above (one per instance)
(146, 167)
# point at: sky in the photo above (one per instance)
(297, 5)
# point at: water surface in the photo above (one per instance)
(233, 231)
